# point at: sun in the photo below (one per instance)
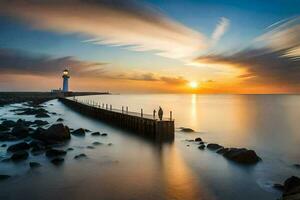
(193, 84)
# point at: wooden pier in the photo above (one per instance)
(139, 123)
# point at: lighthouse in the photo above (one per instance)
(65, 77)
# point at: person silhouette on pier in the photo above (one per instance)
(154, 112)
(160, 113)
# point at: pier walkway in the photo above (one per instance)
(142, 124)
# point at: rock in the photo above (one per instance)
(202, 147)
(37, 147)
(186, 130)
(90, 147)
(95, 134)
(55, 153)
(34, 165)
(8, 123)
(198, 139)
(3, 128)
(201, 142)
(188, 140)
(57, 132)
(57, 161)
(213, 146)
(4, 177)
(6, 160)
(60, 120)
(20, 131)
(20, 155)
(87, 130)
(104, 134)
(291, 188)
(40, 122)
(7, 137)
(297, 165)
(3, 145)
(42, 115)
(242, 155)
(18, 147)
(70, 149)
(109, 144)
(278, 186)
(97, 143)
(82, 155)
(54, 113)
(222, 150)
(78, 132)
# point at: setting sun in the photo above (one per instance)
(193, 84)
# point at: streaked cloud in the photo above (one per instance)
(20, 62)
(220, 30)
(130, 24)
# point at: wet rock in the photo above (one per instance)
(278, 186)
(82, 155)
(95, 134)
(40, 122)
(291, 188)
(55, 153)
(3, 145)
(42, 115)
(202, 147)
(90, 147)
(34, 165)
(7, 137)
(109, 144)
(87, 130)
(201, 142)
(6, 160)
(3, 128)
(60, 120)
(4, 177)
(78, 132)
(18, 147)
(8, 123)
(54, 113)
(38, 147)
(186, 130)
(97, 143)
(104, 134)
(297, 166)
(70, 149)
(57, 132)
(222, 150)
(20, 131)
(198, 139)
(242, 155)
(19, 156)
(57, 161)
(213, 146)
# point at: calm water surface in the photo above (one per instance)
(134, 168)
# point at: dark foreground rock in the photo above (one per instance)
(4, 176)
(55, 153)
(55, 133)
(19, 156)
(242, 155)
(78, 132)
(291, 188)
(18, 147)
(20, 131)
(201, 147)
(213, 146)
(57, 161)
(198, 139)
(104, 134)
(34, 165)
(60, 120)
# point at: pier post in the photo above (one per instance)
(141, 113)
(170, 115)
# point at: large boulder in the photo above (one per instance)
(18, 147)
(291, 188)
(79, 132)
(241, 155)
(57, 133)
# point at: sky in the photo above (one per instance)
(151, 46)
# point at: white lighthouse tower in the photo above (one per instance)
(65, 77)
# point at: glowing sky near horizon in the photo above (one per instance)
(151, 46)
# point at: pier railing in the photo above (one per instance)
(143, 124)
(124, 109)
